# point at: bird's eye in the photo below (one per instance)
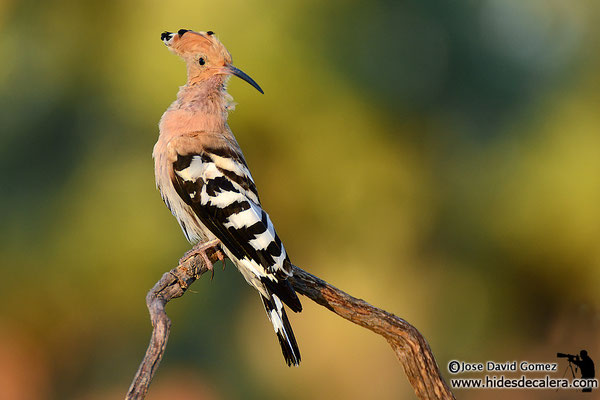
(201, 61)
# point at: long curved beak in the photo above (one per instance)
(231, 70)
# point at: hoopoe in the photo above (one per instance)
(204, 180)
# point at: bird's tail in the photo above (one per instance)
(283, 329)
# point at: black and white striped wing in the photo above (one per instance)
(218, 186)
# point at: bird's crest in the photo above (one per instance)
(187, 43)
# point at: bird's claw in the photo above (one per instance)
(221, 257)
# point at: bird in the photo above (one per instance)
(204, 180)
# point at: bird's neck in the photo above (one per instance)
(207, 95)
(201, 106)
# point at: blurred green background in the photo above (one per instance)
(439, 159)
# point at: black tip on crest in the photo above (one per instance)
(165, 35)
(182, 31)
(209, 33)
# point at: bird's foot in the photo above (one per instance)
(200, 250)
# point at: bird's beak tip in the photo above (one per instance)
(242, 75)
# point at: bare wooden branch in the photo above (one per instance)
(410, 346)
(173, 284)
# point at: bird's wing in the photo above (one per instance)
(216, 183)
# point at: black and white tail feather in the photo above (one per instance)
(216, 185)
(283, 329)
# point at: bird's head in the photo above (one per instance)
(204, 55)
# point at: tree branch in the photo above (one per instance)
(410, 346)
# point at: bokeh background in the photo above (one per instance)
(438, 159)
